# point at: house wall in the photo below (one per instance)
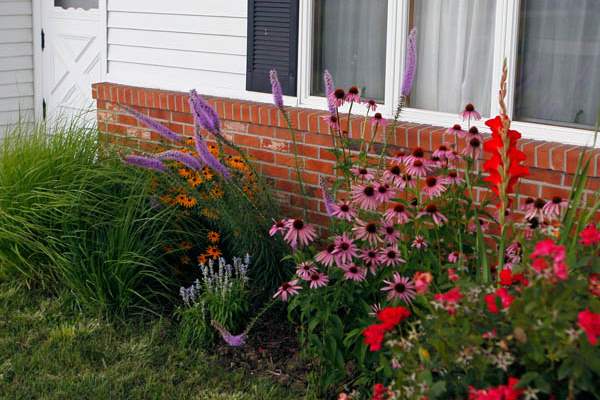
(260, 130)
(16, 62)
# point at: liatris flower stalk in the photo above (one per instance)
(207, 157)
(329, 89)
(155, 126)
(150, 163)
(276, 89)
(505, 165)
(184, 158)
(205, 115)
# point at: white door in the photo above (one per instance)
(71, 57)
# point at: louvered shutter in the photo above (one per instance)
(272, 44)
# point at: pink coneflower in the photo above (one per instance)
(278, 226)
(390, 256)
(371, 105)
(418, 167)
(332, 121)
(326, 257)
(371, 258)
(383, 193)
(443, 153)
(288, 289)
(378, 120)
(407, 182)
(365, 196)
(483, 224)
(345, 249)
(393, 175)
(452, 178)
(400, 288)
(473, 133)
(390, 233)
(419, 243)
(422, 281)
(397, 214)
(317, 280)
(472, 149)
(536, 210)
(299, 232)
(417, 154)
(528, 204)
(400, 157)
(338, 97)
(353, 95)
(470, 113)
(362, 173)
(456, 130)
(555, 207)
(305, 269)
(343, 210)
(352, 272)
(432, 211)
(367, 231)
(433, 187)
(436, 162)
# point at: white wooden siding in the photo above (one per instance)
(16, 62)
(179, 45)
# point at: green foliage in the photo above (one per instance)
(194, 329)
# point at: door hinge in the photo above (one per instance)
(43, 40)
(44, 108)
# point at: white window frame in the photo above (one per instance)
(505, 45)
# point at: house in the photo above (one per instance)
(147, 53)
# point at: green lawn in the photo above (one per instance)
(49, 353)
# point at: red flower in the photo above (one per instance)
(449, 299)
(374, 336)
(557, 253)
(506, 278)
(502, 392)
(589, 236)
(505, 300)
(590, 323)
(594, 284)
(392, 316)
(380, 392)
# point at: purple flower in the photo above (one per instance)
(186, 159)
(207, 158)
(329, 89)
(327, 199)
(276, 89)
(205, 115)
(411, 63)
(155, 126)
(145, 162)
(231, 340)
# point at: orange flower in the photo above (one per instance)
(202, 259)
(185, 260)
(195, 180)
(213, 252)
(186, 201)
(213, 236)
(208, 174)
(184, 172)
(208, 213)
(214, 150)
(185, 245)
(216, 192)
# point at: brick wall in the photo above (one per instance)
(260, 129)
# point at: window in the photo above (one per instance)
(558, 72)
(84, 4)
(350, 41)
(552, 48)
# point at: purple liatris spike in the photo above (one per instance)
(207, 158)
(327, 199)
(145, 162)
(231, 340)
(329, 89)
(276, 89)
(205, 115)
(186, 159)
(410, 67)
(155, 126)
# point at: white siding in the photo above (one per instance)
(179, 44)
(16, 62)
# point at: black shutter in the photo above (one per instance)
(272, 44)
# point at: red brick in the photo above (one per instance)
(319, 166)
(275, 171)
(287, 159)
(182, 118)
(262, 155)
(245, 140)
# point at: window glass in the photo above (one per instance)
(455, 47)
(558, 75)
(350, 42)
(85, 4)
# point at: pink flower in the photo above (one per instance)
(554, 208)
(473, 133)
(472, 149)
(456, 130)
(352, 272)
(383, 193)
(365, 196)
(452, 276)
(535, 210)
(371, 105)
(367, 231)
(397, 214)
(400, 157)
(362, 173)
(337, 97)
(305, 269)
(371, 259)
(453, 257)
(390, 256)
(345, 249)
(288, 289)
(452, 178)
(443, 153)
(393, 175)
(326, 257)
(317, 280)
(407, 182)
(590, 323)
(417, 154)
(332, 121)
(422, 281)
(277, 227)
(400, 288)
(589, 236)
(389, 232)
(419, 243)
(343, 210)
(433, 187)
(470, 113)
(547, 248)
(378, 120)
(505, 300)
(418, 168)
(432, 211)
(353, 95)
(299, 233)
(449, 299)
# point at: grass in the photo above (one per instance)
(49, 353)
